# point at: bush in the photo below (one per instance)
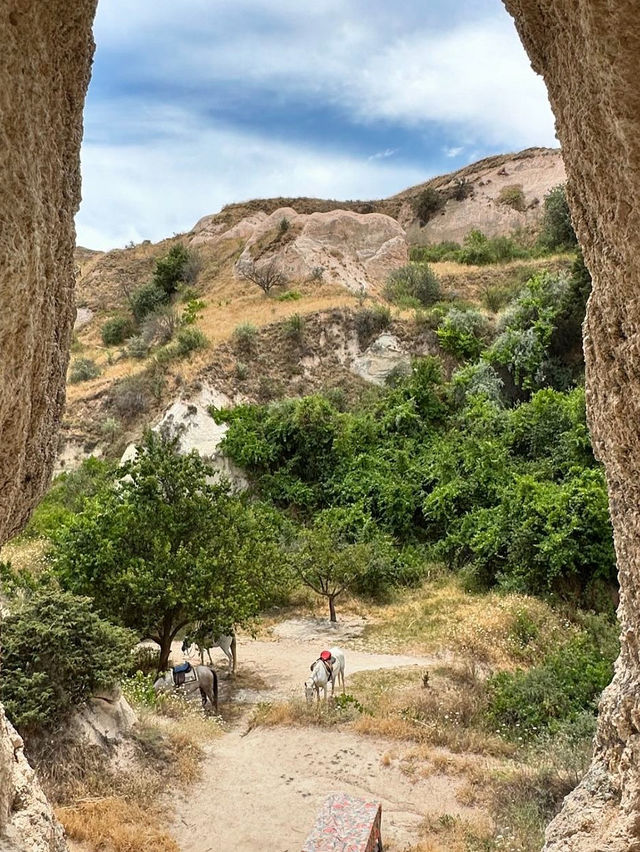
(146, 299)
(568, 683)
(370, 321)
(159, 326)
(294, 327)
(170, 270)
(190, 339)
(245, 337)
(413, 285)
(116, 330)
(462, 332)
(130, 397)
(557, 229)
(513, 196)
(289, 296)
(82, 370)
(56, 652)
(138, 347)
(435, 252)
(427, 204)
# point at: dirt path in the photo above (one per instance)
(262, 788)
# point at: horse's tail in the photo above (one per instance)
(233, 651)
(215, 688)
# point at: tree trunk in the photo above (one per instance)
(589, 54)
(165, 650)
(332, 608)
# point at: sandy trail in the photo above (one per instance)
(262, 788)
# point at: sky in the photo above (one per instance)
(194, 104)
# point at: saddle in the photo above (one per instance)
(328, 664)
(181, 674)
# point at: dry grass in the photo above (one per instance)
(116, 825)
(395, 705)
(114, 802)
(495, 630)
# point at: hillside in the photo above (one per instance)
(334, 254)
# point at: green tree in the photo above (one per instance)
(557, 229)
(342, 550)
(56, 652)
(170, 270)
(165, 547)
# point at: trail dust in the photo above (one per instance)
(262, 788)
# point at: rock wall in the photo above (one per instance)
(589, 54)
(44, 72)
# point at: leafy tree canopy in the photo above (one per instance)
(165, 546)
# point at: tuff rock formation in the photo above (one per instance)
(353, 249)
(44, 72)
(588, 52)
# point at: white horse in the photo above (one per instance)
(203, 642)
(320, 677)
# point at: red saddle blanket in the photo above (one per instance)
(346, 824)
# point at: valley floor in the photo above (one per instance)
(262, 787)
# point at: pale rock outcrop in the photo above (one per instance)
(104, 719)
(589, 54)
(536, 172)
(352, 249)
(44, 72)
(27, 823)
(382, 358)
(189, 418)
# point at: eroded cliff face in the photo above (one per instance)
(44, 72)
(589, 54)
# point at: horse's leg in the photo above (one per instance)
(203, 695)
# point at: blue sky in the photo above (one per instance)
(197, 103)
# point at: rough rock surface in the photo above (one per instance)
(381, 358)
(190, 419)
(44, 72)
(105, 718)
(535, 172)
(352, 249)
(26, 821)
(589, 54)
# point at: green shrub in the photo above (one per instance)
(67, 495)
(435, 252)
(525, 704)
(170, 270)
(557, 229)
(192, 310)
(245, 337)
(146, 299)
(189, 339)
(412, 285)
(427, 204)
(462, 333)
(138, 689)
(116, 330)
(293, 327)
(370, 321)
(289, 296)
(513, 196)
(242, 371)
(82, 370)
(56, 652)
(138, 347)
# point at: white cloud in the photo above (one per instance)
(383, 155)
(453, 152)
(152, 190)
(470, 73)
